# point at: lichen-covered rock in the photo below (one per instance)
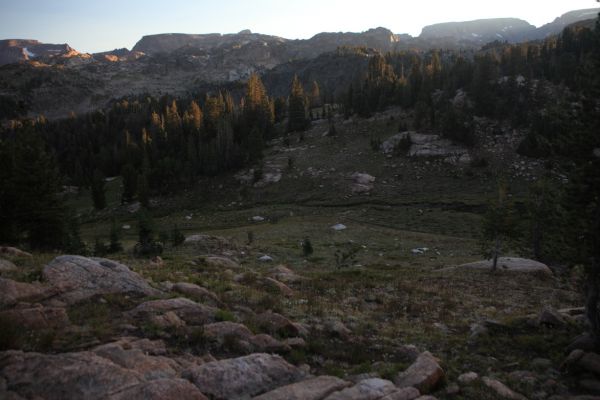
(77, 278)
(244, 377)
(311, 389)
(425, 374)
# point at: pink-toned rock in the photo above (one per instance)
(149, 367)
(274, 323)
(161, 389)
(81, 375)
(244, 377)
(196, 292)
(501, 389)
(408, 393)
(285, 275)
(189, 311)
(368, 389)
(13, 292)
(36, 317)
(7, 266)
(78, 278)
(311, 389)
(278, 287)
(13, 252)
(425, 374)
(267, 344)
(221, 330)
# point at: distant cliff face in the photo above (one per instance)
(563, 21)
(16, 50)
(480, 31)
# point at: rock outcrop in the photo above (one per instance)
(311, 389)
(425, 374)
(510, 264)
(190, 312)
(244, 377)
(77, 278)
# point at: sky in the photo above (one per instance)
(101, 25)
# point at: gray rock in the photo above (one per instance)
(408, 393)
(161, 389)
(7, 266)
(501, 389)
(185, 309)
(195, 292)
(244, 377)
(511, 264)
(467, 378)
(425, 374)
(369, 389)
(265, 258)
(77, 278)
(82, 375)
(311, 389)
(339, 227)
(221, 330)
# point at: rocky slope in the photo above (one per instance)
(563, 21)
(17, 50)
(55, 80)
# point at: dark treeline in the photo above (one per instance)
(530, 85)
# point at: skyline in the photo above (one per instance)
(94, 26)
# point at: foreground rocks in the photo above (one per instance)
(186, 310)
(13, 292)
(425, 374)
(311, 389)
(78, 278)
(82, 375)
(244, 377)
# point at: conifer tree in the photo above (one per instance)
(39, 211)
(297, 105)
(98, 190)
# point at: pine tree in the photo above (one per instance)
(129, 176)
(39, 211)
(315, 95)
(98, 190)
(114, 245)
(297, 107)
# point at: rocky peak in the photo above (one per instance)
(17, 50)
